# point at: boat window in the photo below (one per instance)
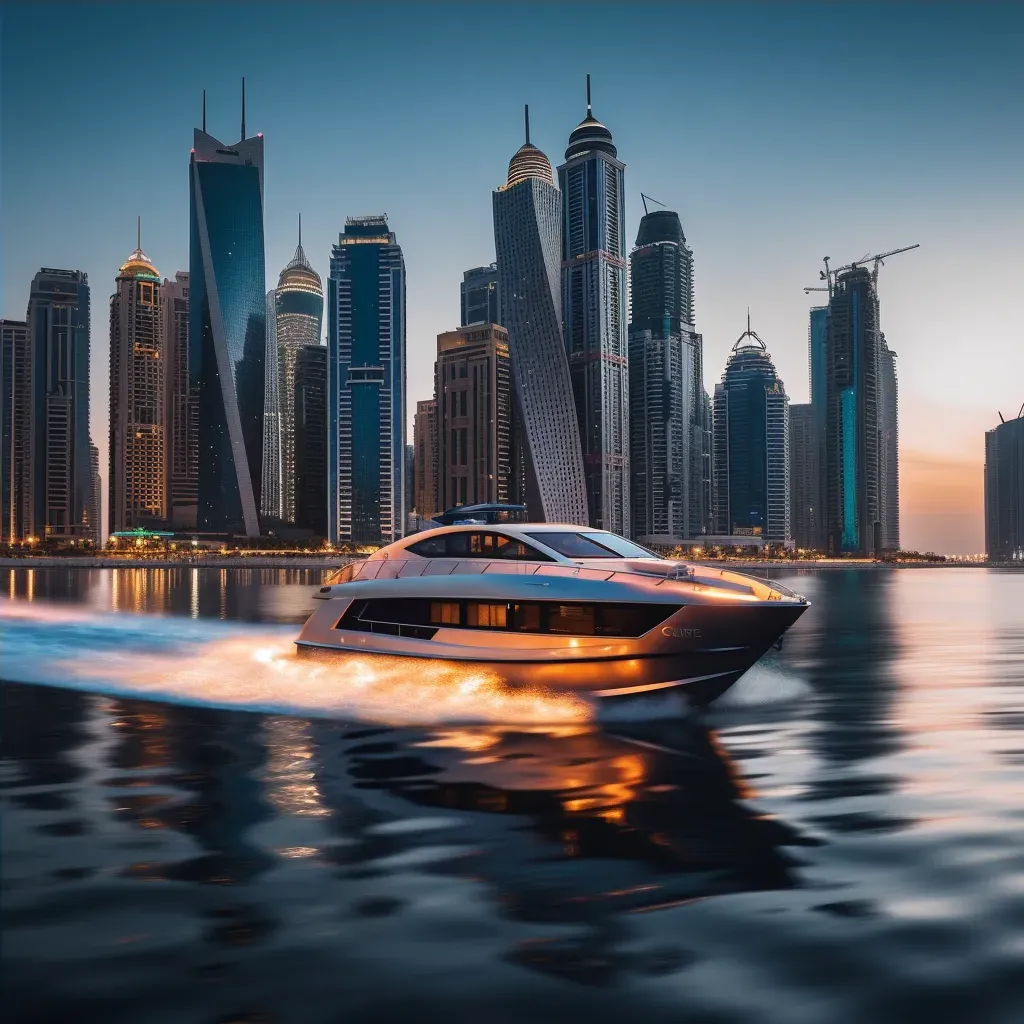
(526, 618)
(342, 575)
(445, 613)
(520, 551)
(575, 545)
(571, 619)
(430, 547)
(486, 615)
(477, 544)
(623, 547)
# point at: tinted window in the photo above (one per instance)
(623, 547)
(574, 545)
(432, 547)
(476, 544)
(572, 619)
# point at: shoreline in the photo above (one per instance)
(322, 563)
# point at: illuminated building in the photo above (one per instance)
(15, 430)
(1004, 491)
(474, 399)
(181, 433)
(294, 318)
(227, 329)
(548, 466)
(425, 457)
(751, 449)
(817, 339)
(803, 476)
(96, 496)
(137, 480)
(59, 491)
(310, 428)
(888, 448)
(670, 438)
(594, 314)
(366, 384)
(478, 296)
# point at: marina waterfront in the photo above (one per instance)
(199, 827)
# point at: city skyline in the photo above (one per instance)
(770, 191)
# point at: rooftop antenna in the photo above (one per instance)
(649, 199)
(588, 95)
(526, 107)
(243, 108)
(138, 236)
(204, 110)
(300, 230)
(1001, 420)
(748, 333)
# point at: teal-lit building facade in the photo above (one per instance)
(227, 325)
(366, 385)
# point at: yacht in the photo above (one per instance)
(551, 605)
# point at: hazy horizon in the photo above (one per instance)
(779, 133)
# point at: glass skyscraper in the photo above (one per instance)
(15, 430)
(294, 320)
(366, 385)
(56, 442)
(1004, 491)
(669, 431)
(752, 444)
(227, 329)
(310, 419)
(478, 296)
(547, 465)
(182, 433)
(817, 340)
(889, 447)
(594, 314)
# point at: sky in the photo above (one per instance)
(780, 133)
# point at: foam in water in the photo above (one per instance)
(236, 665)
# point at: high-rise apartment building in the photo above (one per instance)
(751, 449)
(1004, 491)
(817, 361)
(227, 331)
(889, 448)
(181, 430)
(594, 314)
(137, 477)
(310, 419)
(853, 486)
(803, 476)
(478, 298)
(528, 245)
(366, 384)
(474, 409)
(15, 430)
(294, 320)
(59, 490)
(669, 431)
(96, 495)
(425, 458)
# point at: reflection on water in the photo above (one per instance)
(850, 855)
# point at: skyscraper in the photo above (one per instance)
(366, 384)
(425, 456)
(227, 327)
(474, 399)
(137, 478)
(853, 509)
(751, 453)
(669, 433)
(803, 476)
(528, 245)
(95, 495)
(889, 448)
(310, 419)
(817, 360)
(57, 446)
(1004, 491)
(593, 314)
(181, 432)
(479, 296)
(294, 322)
(15, 430)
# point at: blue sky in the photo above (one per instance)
(781, 133)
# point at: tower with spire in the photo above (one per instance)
(295, 310)
(594, 314)
(227, 327)
(137, 480)
(546, 459)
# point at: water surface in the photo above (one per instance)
(842, 841)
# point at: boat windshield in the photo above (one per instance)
(591, 545)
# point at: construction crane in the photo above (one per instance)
(806, 290)
(879, 259)
(646, 200)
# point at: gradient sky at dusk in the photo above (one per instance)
(781, 134)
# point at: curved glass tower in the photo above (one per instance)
(528, 245)
(298, 309)
(594, 314)
(752, 444)
(227, 328)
